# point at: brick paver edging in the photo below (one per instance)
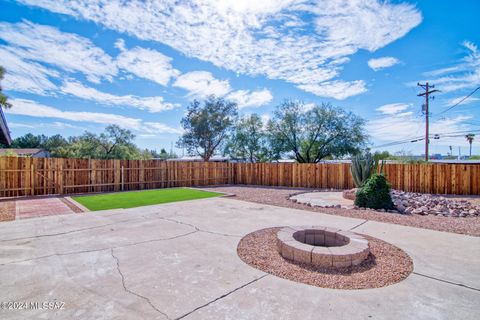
(321, 246)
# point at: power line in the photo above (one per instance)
(421, 138)
(456, 104)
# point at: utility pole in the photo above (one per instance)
(427, 92)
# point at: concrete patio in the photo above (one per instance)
(179, 261)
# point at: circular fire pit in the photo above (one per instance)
(321, 246)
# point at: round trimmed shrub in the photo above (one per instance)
(375, 194)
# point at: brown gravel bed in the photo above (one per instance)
(278, 196)
(385, 265)
(7, 210)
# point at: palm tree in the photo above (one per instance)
(3, 98)
(470, 138)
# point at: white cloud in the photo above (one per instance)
(258, 37)
(453, 101)
(464, 75)
(55, 124)
(25, 76)
(382, 63)
(67, 51)
(152, 104)
(146, 63)
(202, 84)
(157, 127)
(308, 106)
(393, 108)
(33, 109)
(247, 98)
(336, 89)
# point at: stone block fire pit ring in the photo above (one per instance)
(322, 246)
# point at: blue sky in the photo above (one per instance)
(81, 65)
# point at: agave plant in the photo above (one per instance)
(361, 168)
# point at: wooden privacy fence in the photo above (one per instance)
(425, 178)
(43, 176)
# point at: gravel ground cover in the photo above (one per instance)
(7, 210)
(278, 196)
(385, 265)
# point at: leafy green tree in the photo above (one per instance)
(3, 98)
(384, 155)
(321, 132)
(114, 143)
(207, 126)
(29, 141)
(249, 140)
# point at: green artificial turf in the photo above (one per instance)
(141, 198)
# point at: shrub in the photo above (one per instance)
(375, 194)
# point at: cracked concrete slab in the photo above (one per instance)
(179, 261)
(449, 256)
(275, 298)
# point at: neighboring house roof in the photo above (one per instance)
(23, 151)
(4, 132)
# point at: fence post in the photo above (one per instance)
(32, 179)
(60, 178)
(122, 178)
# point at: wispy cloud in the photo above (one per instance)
(67, 51)
(247, 98)
(152, 104)
(465, 74)
(393, 108)
(398, 124)
(336, 89)
(33, 109)
(382, 63)
(146, 63)
(202, 84)
(260, 37)
(25, 75)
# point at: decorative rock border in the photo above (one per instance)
(322, 247)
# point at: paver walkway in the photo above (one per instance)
(29, 208)
(179, 261)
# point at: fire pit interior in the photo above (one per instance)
(321, 246)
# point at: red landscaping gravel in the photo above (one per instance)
(385, 265)
(7, 210)
(278, 196)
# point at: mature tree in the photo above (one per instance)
(315, 134)
(206, 126)
(29, 141)
(114, 143)
(3, 98)
(249, 140)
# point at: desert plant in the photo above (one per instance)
(375, 194)
(361, 169)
